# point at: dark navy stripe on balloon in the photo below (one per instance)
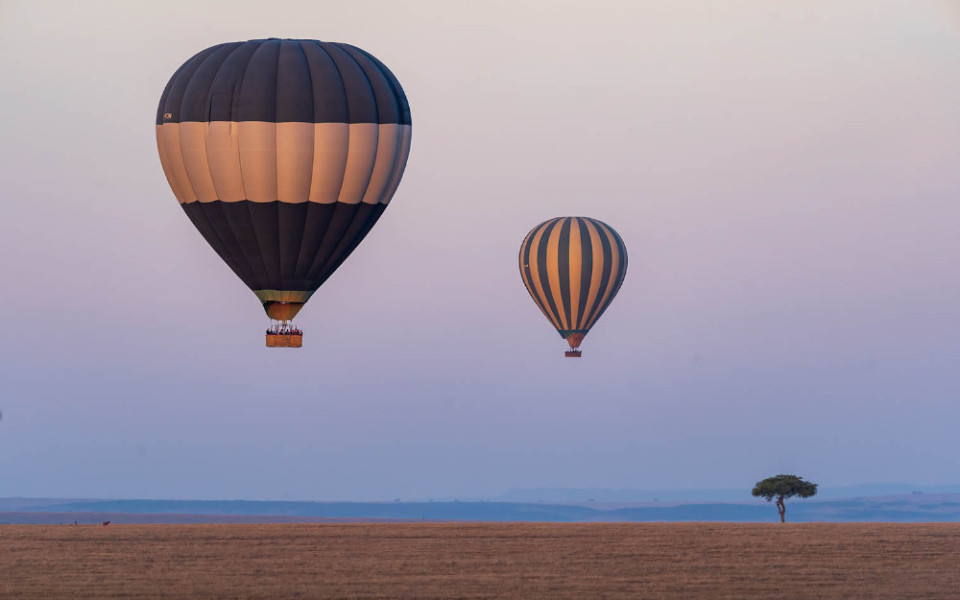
(265, 223)
(258, 91)
(363, 220)
(315, 227)
(586, 273)
(195, 104)
(339, 221)
(544, 272)
(330, 101)
(224, 93)
(563, 268)
(361, 104)
(275, 80)
(525, 258)
(403, 106)
(226, 238)
(271, 245)
(238, 216)
(231, 253)
(291, 222)
(294, 91)
(619, 275)
(172, 98)
(383, 94)
(605, 270)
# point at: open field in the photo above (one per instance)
(91, 518)
(481, 560)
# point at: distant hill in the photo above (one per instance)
(578, 495)
(919, 508)
(899, 508)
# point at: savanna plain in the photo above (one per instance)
(482, 560)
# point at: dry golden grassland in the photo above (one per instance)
(482, 560)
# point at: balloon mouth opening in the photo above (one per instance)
(282, 311)
(574, 339)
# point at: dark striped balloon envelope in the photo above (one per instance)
(573, 268)
(283, 154)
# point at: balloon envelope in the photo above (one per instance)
(283, 154)
(573, 267)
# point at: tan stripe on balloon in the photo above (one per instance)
(291, 162)
(329, 161)
(258, 160)
(168, 144)
(535, 275)
(294, 161)
(553, 272)
(576, 269)
(223, 156)
(596, 274)
(384, 163)
(614, 268)
(400, 163)
(193, 149)
(361, 155)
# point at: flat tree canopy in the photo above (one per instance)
(786, 486)
(783, 486)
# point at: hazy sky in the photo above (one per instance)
(784, 174)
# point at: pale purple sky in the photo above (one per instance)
(783, 173)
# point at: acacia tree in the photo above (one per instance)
(784, 486)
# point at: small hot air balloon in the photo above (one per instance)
(283, 154)
(573, 268)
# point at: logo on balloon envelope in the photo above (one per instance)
(284, 155)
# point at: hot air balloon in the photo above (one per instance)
(283, 154)
(573, 268)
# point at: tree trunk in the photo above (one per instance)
(782, 509)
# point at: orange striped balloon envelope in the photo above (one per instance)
(573, 268)
(283, 154)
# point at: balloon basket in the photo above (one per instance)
(572, 354)
(280, 340)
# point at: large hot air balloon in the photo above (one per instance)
(573, 268)
(283, 154)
